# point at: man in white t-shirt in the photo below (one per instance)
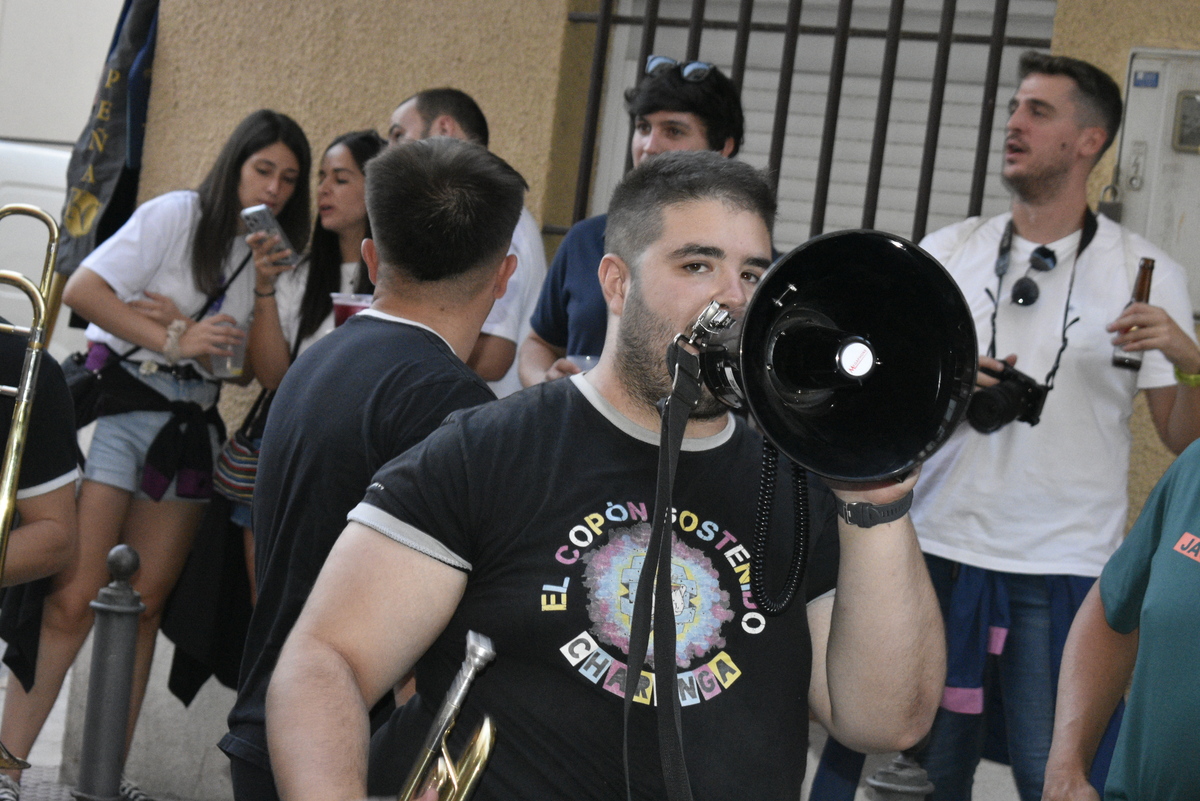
(1017, 523)
(451, 112)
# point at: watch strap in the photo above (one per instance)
(865, 515)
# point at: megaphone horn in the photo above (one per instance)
(856, 356)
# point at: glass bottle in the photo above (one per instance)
(1132, 359)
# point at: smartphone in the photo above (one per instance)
(260, 218)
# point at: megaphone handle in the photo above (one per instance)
(762, 529)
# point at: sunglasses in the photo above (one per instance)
(1025, 291)
(693, 71)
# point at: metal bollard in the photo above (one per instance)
(903, 780)
(114, 641)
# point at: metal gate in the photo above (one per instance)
(867, 113)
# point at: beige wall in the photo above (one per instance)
(341, 65)
(1103, 32)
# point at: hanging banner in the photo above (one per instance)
(108, 155)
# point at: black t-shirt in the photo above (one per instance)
(50, 459)
(359, 397)
(544, 499)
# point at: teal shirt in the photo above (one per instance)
(1152, 583)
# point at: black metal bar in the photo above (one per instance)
(695, 28)
(934, 123)
(883, 110)
(649, 23)
(815, 30)
(787, 65)
(741, 43)
(591, 122)
(987, 111)
(833, 103)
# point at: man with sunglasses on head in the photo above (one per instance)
(1017, 523)
(691, 106)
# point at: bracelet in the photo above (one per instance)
(1187, 379)
(270, 294)
(865, 515)
(171, 348)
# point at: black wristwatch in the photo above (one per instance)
(865, 515)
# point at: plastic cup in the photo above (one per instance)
(347, 304)
(230, 366)
(584, 363)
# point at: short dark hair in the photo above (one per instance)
(433, 103)
(714, 100)
(440, 208)
(219, 205)
(680, 176)
(1097, 94)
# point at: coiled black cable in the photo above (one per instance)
(762, 527)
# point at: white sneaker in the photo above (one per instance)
(129, 792)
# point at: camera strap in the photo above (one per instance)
(1090, 225)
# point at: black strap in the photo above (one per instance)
(1090, 226)
(256, 420)
(656, 573)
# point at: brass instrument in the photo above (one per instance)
(45, 300)
(454, 781)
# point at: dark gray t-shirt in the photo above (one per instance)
(543, 498)
(361, 396)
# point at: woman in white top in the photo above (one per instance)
(294, 306)
(166, 293)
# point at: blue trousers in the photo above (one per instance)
(1019, 686)
(1019, 690)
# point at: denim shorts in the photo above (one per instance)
(119, 444)
(239, 513)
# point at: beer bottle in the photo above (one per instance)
(1132, 360)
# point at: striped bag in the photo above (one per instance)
(237, 463)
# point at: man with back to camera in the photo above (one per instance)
(674, 106)
(451, 112)
(1017, 523)
(442, 214)
(449, 538)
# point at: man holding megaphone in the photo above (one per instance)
(451, 538)
(1021, 510)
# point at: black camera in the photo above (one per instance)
(1016, 397)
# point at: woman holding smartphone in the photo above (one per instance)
(167, 294)
(292, 307)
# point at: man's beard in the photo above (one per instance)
(1038, 185)
(641, 362)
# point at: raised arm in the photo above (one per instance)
(1174, 409)
(268, 348)
(879, 651)
(1096, 665)
(375, 609)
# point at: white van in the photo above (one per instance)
(52, 55)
